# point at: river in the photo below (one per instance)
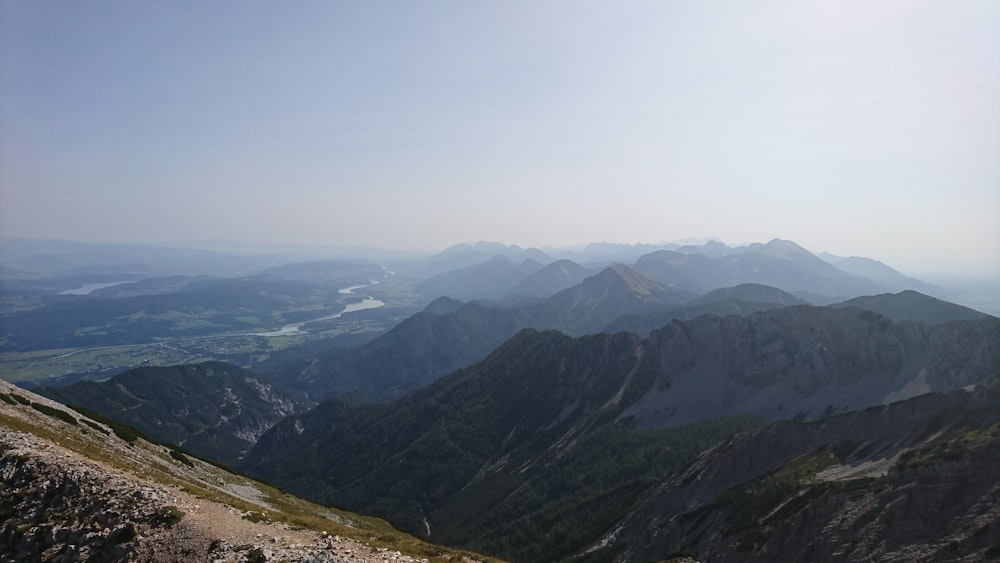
(366, 303)
(88, 288)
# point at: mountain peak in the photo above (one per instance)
(783, 250)
(623, 276)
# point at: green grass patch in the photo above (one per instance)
(946, 448)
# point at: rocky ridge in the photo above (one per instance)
(213, 409)
(74, 489)
(912, 481)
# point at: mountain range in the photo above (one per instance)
(698, 402)
(488, 436)
(449, 335)
(820, 279)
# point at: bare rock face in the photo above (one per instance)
(912, 481)
(56, 510)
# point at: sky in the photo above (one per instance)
(856, 128)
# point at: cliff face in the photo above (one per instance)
(915, 480)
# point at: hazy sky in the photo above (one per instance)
(859, 128)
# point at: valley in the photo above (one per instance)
(532, 407)
(500, 282)
(218, 337)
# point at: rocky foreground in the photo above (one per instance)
(75, 490)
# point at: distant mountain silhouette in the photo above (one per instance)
(484, 280)
(690, 272)
(443, 338)
(615, 291)
(779, 263)
(602, 254)
(913, 306)
(751, 293)
(443, 306)
(712, 249)
(880, 273)
(741, 300)
(551, 279)
(467, 254)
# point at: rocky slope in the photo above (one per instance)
(805, 363)
(912, 481)
(213, 409)
(74, 489)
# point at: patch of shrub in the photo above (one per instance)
(95, 426)
(256, 517)
(55, 413)
(179, 456)
(123, 431)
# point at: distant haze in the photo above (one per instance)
(856, 128)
